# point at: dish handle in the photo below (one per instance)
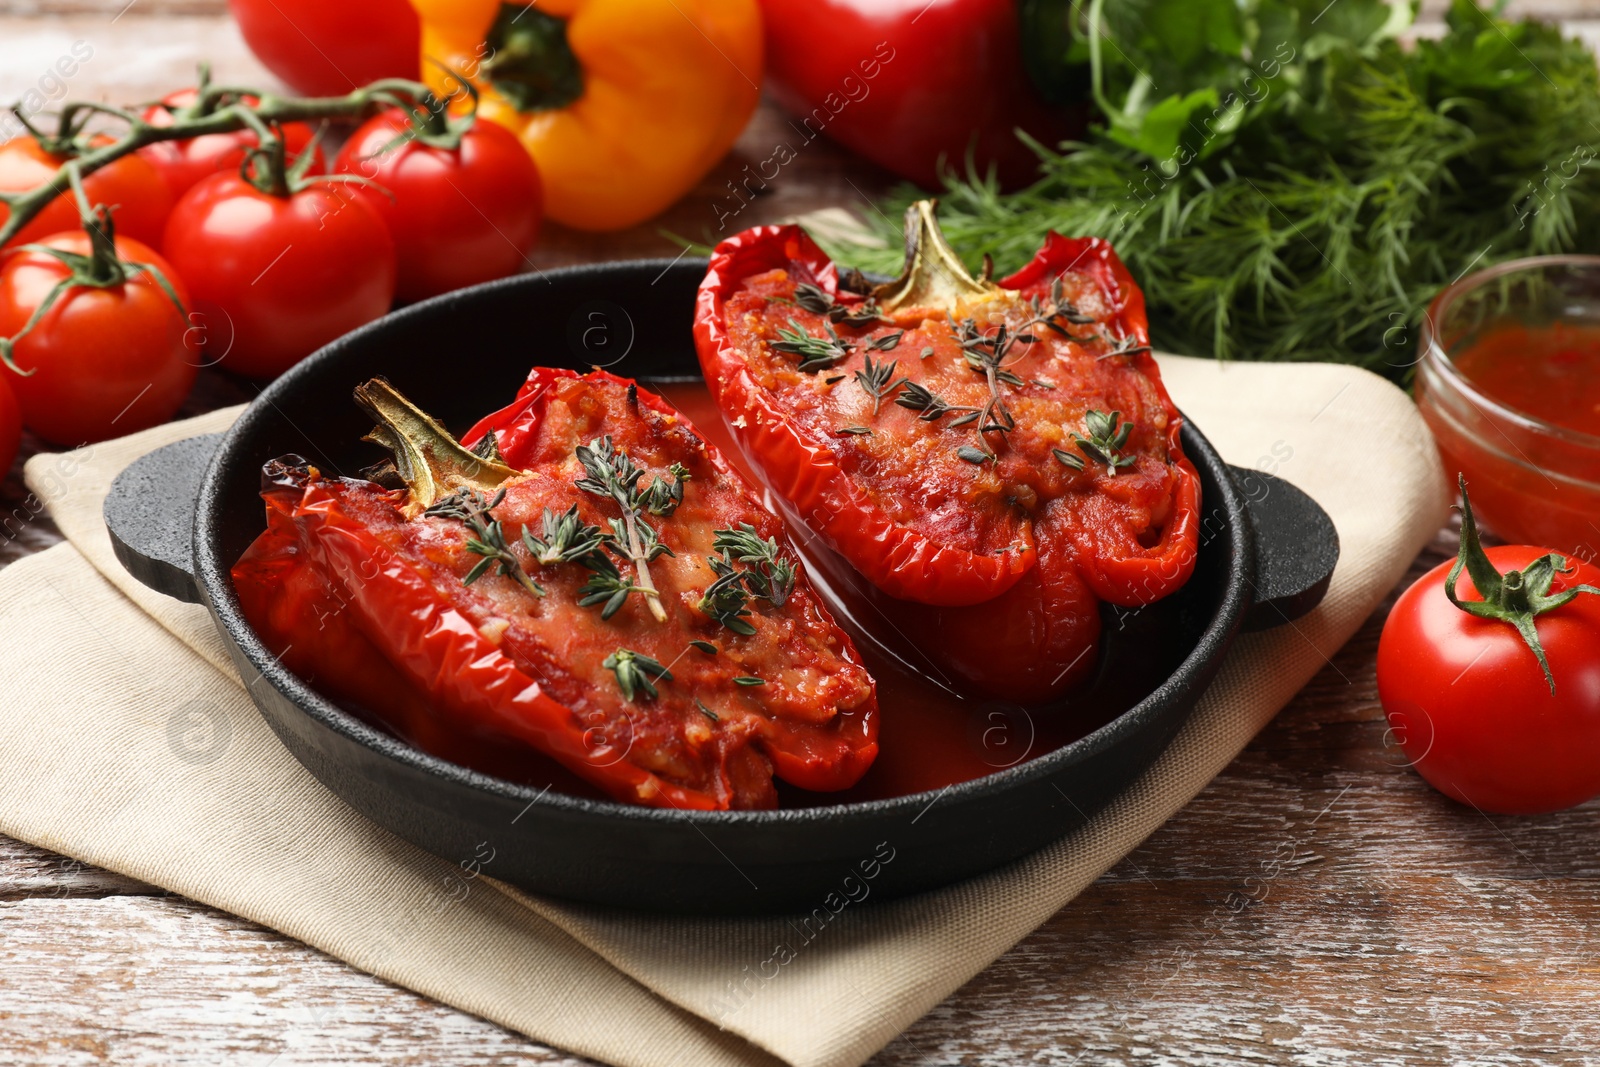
(1297, 548)
(150, 515)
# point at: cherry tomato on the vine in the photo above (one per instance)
(104, 361)
(131, 186)
(184, 163)
(331, 47)
(275, 278)
(459, 216)
(1471, 706)
(10, 428)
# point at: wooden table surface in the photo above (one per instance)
(1399, 928)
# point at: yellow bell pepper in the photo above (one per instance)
(623, 104)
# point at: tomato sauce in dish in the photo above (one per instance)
(1550, 372)
(1517, 410)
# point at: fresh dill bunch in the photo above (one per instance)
(1319, 220)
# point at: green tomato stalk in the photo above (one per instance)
(102, 268)
(1516, 597)
(221, 109)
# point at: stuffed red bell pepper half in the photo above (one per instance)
(590, 582)
(986, 462)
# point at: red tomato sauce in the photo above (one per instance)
(1551, 372)
(1533, 475)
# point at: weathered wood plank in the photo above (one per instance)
(137, 981)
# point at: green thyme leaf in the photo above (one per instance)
(636, 673)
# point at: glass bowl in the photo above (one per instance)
(1509, 382)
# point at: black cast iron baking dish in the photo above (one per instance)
(180, 517)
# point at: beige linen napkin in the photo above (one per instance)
(128, 742)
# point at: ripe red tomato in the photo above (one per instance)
(328, 49)
(131, 187)
(184, 163)
(1469, 704)
(458, 217)
(275, 278)
(105, 361)
(10, 428)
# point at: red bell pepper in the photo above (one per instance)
(907, 83)
(488, 603)
(994, 459)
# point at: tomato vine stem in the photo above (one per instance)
(218, 109)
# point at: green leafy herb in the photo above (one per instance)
(704, 646)
(918, 397)
(726, 599)
(761, 571)
(707, 712)
(819, 302)
(815, 352)
(567, 538)
(1288, 180)
(611, 473)
(1069, 459)
(662, 497)
(636, 673)
(768, 573)
(1058, 313)
(887, 343)
(749, 680)
(877, 380)
(1107, 436)
(488, 536)
(605, 586)
(853, 431)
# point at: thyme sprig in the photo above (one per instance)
(662, 497)
(612, 473)
(1058, 313)
(877, 380)
(818, 301)
(887, 343)
(488, 536)
(1107, 436)
(1126, 345)
(985, 353)
(726, 599)
(636, 673)
(769, 574)
(567, 539)
(816, 353)
(762, 572)
(918, 397)
(605, 586)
